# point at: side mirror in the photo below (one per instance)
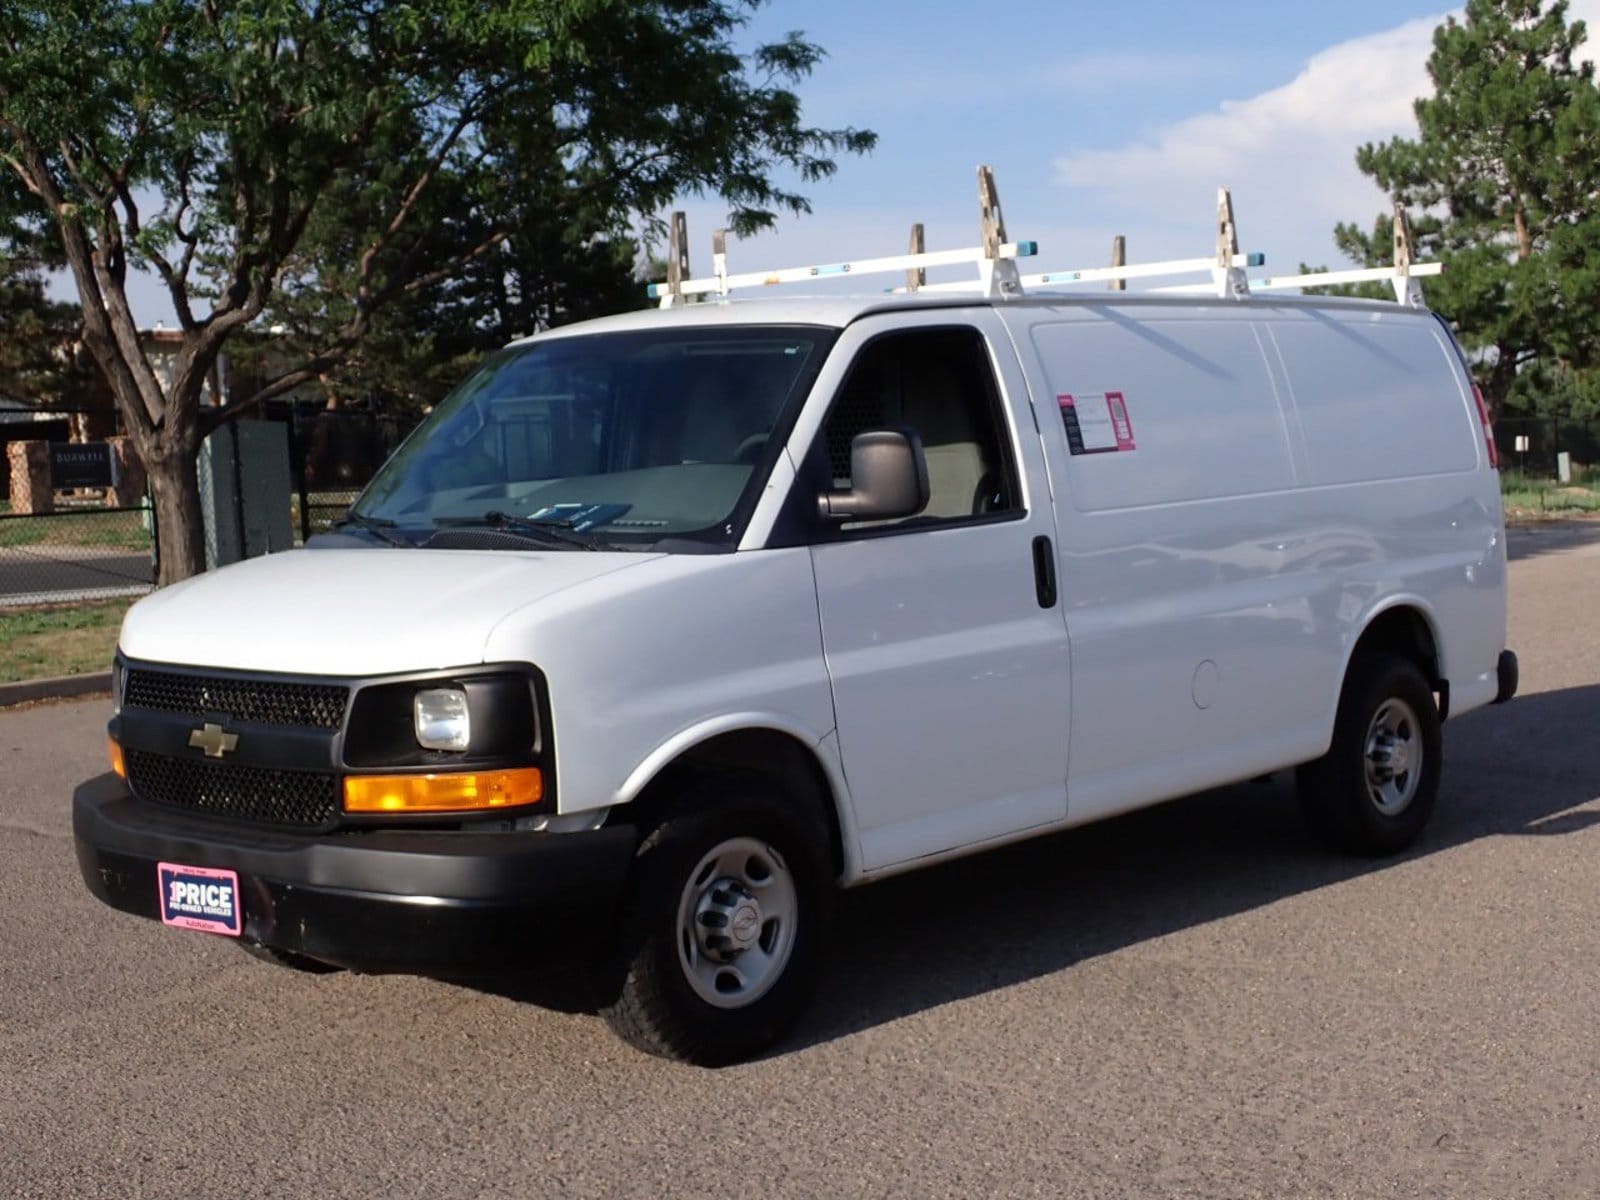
(888, 477)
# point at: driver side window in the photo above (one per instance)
(938, 382)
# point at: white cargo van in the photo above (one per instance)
(664, 626)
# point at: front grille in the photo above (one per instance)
(304, 705)
(303, 798)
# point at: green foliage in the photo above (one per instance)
(1548, 388)
(1501, 186)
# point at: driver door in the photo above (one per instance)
(946, 646)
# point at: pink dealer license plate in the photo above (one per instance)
(201, 898)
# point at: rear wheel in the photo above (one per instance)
(1375, 789)
(723, 926)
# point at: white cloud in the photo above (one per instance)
(1288, 154)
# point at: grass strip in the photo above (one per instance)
(40, 643)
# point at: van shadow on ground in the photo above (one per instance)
(1011, 915)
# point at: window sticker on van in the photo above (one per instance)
(1096, 423)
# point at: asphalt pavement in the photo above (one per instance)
(49, 574)
(1191, 1001)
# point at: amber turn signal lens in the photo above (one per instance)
(457, 791)
(117, 765)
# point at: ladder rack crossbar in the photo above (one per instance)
(1333, 278)
(1175, 266)
(864, 266)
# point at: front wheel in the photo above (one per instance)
(726, 914)
(1374, 790)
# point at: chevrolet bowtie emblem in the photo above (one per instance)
(213, 740)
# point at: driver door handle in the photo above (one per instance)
(1044, 572)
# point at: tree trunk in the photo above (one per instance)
(1497, 385)
(1524, 236)
(180, 529)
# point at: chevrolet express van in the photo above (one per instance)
(665, 626)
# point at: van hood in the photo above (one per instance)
(353, 611)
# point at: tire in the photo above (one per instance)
(1353, 797)
(723, 926)
(287, 959)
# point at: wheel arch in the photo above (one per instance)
(1403, 625)
(765, 744)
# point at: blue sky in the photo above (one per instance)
(1099, 119)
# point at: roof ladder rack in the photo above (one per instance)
(995, 260)
(999, 278)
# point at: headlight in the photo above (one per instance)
(441, 719)
(119, 680)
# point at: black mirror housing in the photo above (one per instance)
(888, 476)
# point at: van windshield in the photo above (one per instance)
(637, 440)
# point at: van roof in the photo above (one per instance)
(839, 311)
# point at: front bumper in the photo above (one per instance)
(378, 900)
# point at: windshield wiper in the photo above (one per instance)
(378, 527)
(552, 533)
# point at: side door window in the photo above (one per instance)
(938, 382)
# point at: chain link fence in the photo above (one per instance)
(333, 454)
(71, 539)
(1534, 479)
(1532, 445)
(74, 554)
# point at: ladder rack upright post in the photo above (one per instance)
(916, 276)
(1406, 289)
(1229, 278)
(719, 259)
(998, 275)
(677, 260)
(1119, 258)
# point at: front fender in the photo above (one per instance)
(825, 750)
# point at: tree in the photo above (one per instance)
(559, 262)
(208, 140)
(1502, 185)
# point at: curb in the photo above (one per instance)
(63, 687)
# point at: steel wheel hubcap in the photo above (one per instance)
(1394, 757)
(736, 922)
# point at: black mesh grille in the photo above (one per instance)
(857, 410)
(306, 705)
(301, 798)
